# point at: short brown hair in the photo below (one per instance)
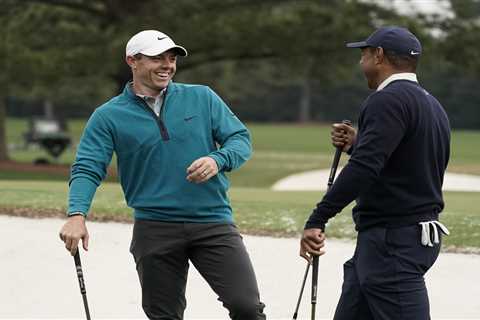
(402, 61)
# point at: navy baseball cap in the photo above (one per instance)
(392, 38)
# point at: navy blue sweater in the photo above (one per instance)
(396, 169)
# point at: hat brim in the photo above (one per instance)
(360, 44)
(181, 51)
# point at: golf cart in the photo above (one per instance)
(49, 135)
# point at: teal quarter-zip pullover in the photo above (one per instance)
(153, 153)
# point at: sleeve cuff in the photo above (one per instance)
(315, 221)
(76, 213)
(219, 160)
(315, 225)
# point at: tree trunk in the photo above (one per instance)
(48, 109)
(305, 101)
(3, 133)
(3, 85)
(304, 114)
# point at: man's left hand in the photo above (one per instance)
(202, 169)
(311, 244)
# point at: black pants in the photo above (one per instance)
(384, 279)
(162, 251)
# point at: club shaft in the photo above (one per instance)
(314, 284)
(295, 314)
(333, 169)
(85, 304)
(331, 178)
(81, 282)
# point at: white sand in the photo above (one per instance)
(316, 180)
(38, 280)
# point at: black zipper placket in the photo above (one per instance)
(158, 119)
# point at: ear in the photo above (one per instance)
(131, 61)
(379, 55)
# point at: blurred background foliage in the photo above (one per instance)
(272, 61)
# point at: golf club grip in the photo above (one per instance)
(336, 160)
(78, 266)
(81, 282)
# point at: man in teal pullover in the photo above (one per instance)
(174, 143)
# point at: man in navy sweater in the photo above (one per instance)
(395, 174)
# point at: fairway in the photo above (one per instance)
(279, 150)
(256, 210)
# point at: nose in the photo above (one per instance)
(166, 63)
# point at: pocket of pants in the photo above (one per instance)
(402, 238)
(349, 275)
(405, 244)
(133, 245)
(435, 251)
(233, 227)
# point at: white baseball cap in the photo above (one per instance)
(152, 43)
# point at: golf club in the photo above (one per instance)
(314, 285)
(81, 282)
(331, 178)
(336, 160)
(295, 314)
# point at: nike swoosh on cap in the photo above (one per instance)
(414, 53)
(161, 38)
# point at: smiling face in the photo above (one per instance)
(151, 74)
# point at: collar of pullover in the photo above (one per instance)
(128, 90)
(398, 76)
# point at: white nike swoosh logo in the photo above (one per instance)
(413, 53)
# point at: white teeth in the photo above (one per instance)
(162, 74)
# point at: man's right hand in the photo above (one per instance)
(343, 136)
(72, 231)
(312, 242)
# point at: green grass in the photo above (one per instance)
(291, 138)
(465, 152)
(279, 150)
(40, 176)
(257, 210)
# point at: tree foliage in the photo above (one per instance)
(273, 59)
